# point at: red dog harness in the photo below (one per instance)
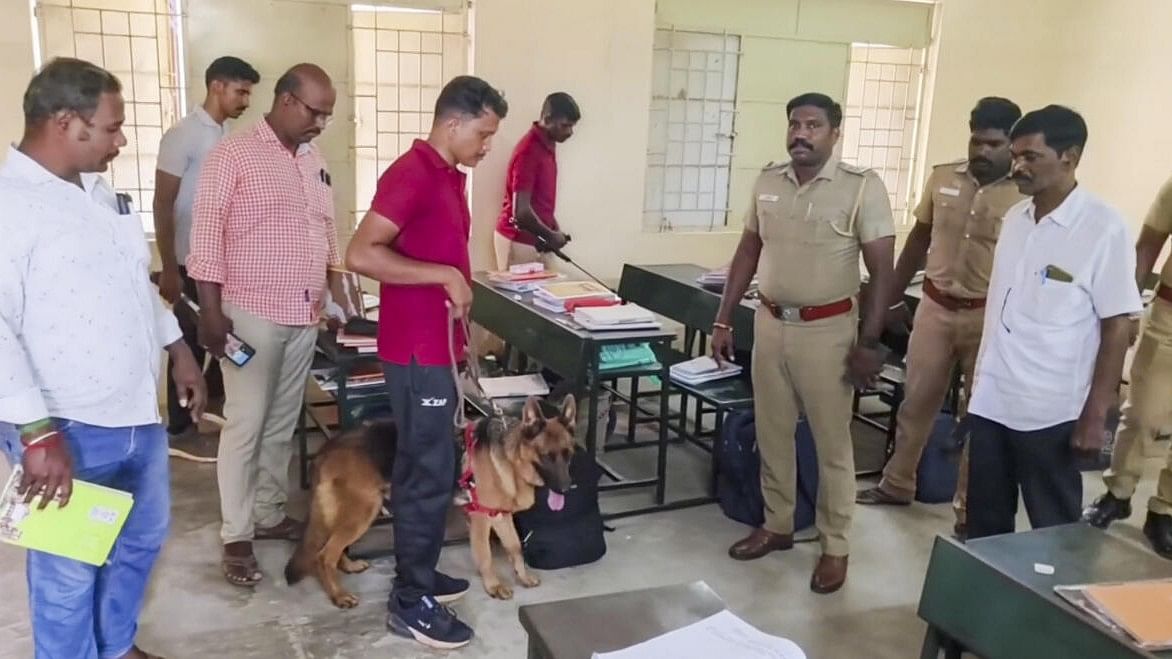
(468, 479)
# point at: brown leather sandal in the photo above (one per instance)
(876, 496)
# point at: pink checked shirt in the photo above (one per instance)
(263, 226)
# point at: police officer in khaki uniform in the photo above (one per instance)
(807, 222)
(957, 223)
(1149, 400)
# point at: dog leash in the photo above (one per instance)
(459, 418)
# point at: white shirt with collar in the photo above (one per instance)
(182, 151)
(81, 326)
(1041, 333)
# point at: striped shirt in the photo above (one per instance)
(263, 226)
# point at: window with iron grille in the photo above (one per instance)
(140, 42)
(881, 117)
(689, 153)
(402, 58)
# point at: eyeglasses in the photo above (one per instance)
(319, 116)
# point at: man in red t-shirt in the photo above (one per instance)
(414, 240)
(527, 225)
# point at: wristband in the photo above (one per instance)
(723, 326)
(39, 439)
(897, 305)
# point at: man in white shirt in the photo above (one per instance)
(1057, 325)
(229, 82)
(81, 332)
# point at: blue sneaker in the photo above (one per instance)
(449, 589)
(429, 623)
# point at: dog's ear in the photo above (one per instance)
(569, 411)
(531, 416)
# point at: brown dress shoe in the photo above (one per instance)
(759, 543)
(829, 575)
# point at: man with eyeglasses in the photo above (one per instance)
(263, 238)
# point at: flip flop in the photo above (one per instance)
(877, 497)
(241, 571)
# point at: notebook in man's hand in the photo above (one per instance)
(84, 530)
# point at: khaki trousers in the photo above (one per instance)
(940, 340)
(802, 366)
(1147, 409)
(262, 400)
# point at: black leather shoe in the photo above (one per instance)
(1158, 529)
(1106, 509)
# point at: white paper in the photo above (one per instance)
(722, 635)
(515, 386)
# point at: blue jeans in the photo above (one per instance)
(84, 612)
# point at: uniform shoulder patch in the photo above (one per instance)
(853, 169)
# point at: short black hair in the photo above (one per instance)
(994, 112)
(1061, 127)
(560, 105)
(470, 95)
(230, 69)
(66, 83)
(833, 110)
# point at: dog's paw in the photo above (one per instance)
(529, 580)
(345, 600)
(499, 592)
(354, 567)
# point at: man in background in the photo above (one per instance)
(81, 329)
(263, 237)
(1149, 397)
(1061, 298)
(529, 207)
(957, 224)
(808, 221)
(414, 241)
(229, 82)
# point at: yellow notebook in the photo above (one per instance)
(84, 530)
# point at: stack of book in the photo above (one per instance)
(1136, 610)
(625, 317)
(701, 370)
(522, 278)
(566, 296)
(364, 375)
(357, 342)
(714, 280)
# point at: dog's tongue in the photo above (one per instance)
(556, 501)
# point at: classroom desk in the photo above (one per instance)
(984, 597)
(574, 354)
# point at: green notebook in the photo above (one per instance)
(84, 530)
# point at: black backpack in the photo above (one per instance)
(738, 472)
(571, 536)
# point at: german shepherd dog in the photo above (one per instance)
(509, 460)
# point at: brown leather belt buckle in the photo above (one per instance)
(950, 302)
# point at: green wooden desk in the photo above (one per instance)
(985, 598)
(572, 352)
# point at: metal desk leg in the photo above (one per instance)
(661, 458)
(935, 642)
(689, 340)
(592, 386)
(633, 413)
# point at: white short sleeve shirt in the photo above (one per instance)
(181, 153)
(1053, 281)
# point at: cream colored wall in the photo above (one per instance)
(1104, 58)
(16, 52)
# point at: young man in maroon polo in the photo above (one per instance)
(414, 240)
(532, 185)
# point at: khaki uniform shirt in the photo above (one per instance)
(810, 240)
(966, 220)
(1160, 218)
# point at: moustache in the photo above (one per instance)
(980, 161)
(801, 143)
(1022, 178)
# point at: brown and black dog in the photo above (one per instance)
(509, 463)
(349, 483)
(510, 459)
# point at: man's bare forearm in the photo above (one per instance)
(911, 260)
(165, 233)
(209, 297)
(740, 275)
(877, 256)
(1113, 339)
(1147, 249)
(385, 265)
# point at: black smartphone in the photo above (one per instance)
(237, 351)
